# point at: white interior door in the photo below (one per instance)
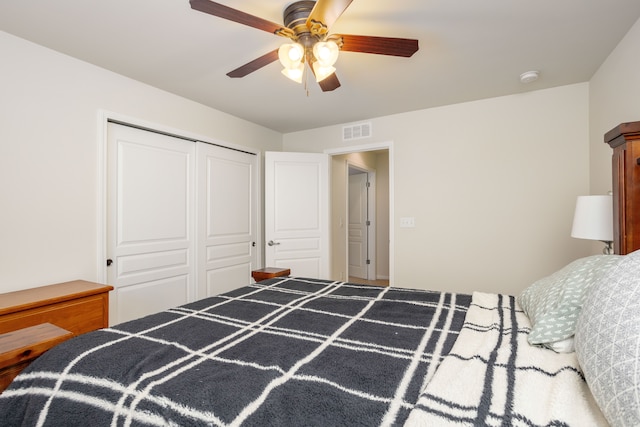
(227, 211)
(297, 213)
(150, 224)
(358, 225)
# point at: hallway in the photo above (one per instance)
(369, 282)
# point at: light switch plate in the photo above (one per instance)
(407, 222)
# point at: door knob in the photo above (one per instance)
(272, 243)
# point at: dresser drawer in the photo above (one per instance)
(78, 316)
(76, 306)
(19, 348)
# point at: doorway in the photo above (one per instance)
(376, 157)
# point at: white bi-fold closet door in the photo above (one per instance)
(181, 220)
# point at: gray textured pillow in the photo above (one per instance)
(553, 303)
(608, 342)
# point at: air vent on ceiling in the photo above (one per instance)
(359, 131)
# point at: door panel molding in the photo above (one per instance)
(297, 213)
(227, 223)
(149, 174)
(358, 229)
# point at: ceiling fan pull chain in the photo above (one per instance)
(306, 80)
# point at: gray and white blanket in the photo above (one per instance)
(286, 351)
(493, 377)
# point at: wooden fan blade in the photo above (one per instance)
(254, 65)
(330, 83)
(225, 12)
(327, 13)
(378, 45)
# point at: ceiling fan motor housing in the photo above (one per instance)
(295, 17)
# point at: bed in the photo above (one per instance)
(297, 351)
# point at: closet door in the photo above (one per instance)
(150, 224)
(227, 212)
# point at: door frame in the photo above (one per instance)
(386, 145)
(105, 116)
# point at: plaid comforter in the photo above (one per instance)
(286, 351)
(493, 377)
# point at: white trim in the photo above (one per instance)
(372, 234)
(109, 115)
(388, 145)
(101, 161)
(358, 148)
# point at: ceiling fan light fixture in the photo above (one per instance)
(308, 23)
(291, 55)
(322, 72)
(326, 53)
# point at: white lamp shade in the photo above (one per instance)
(593, 218)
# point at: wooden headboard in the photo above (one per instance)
(625, 141)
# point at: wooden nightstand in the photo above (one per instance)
(269, 273)
(21, 347)
(77, 306)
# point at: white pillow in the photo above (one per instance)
(563, 346)
(553, 303)
(607, 342)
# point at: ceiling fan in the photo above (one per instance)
(307, 25)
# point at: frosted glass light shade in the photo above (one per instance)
(321, 72)
(326, 53)
(593, 218)
(290, 54)
(294, 73)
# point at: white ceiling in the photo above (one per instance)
(469, 49)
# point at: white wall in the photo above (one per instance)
(49, 107)
(491, 184)
(614, 99)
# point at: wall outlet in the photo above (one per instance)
(407, 222)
